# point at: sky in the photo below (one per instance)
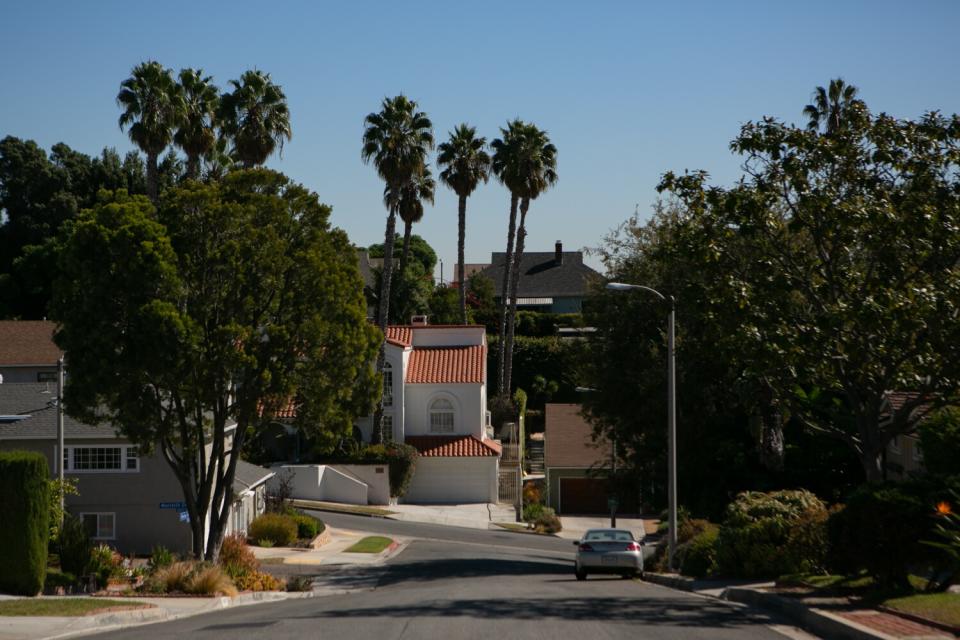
(626, 91)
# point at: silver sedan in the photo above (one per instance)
(609, 551)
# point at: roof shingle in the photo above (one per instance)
(28, 342)
(541, 276)
(437, 365)
(453, 446)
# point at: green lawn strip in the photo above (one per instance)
(64, 607)
(942, 607)
(370, 544)
(342, 508)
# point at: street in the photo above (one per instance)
(461, 583)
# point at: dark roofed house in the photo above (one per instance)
(555, 282)
(27, 351)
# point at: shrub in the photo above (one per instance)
(57, 514)
(170, 579)
(879, 530)
(105, 563)
(209, 580)
(308, 527)
(687, 529)
(56, 580)
(24, 494)
(683, 514)
(402, 461)
(756, 537)
(74, 546)
(258, 581)
(547, 521)
(699, 555)
(299, 583)
(532, 511)
(531, 493)
(940, 441)
(280, 529)
(236, 557)
(160, 557)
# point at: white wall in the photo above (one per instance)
(320, 482)
(378, 482)
(469, 400)
(448, 336)
(454, 480)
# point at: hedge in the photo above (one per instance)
(25, 504)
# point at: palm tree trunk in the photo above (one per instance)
(461, 240)
(514, 286)
(382, 315)
(152, 177)
(507, 265)
(407, 231)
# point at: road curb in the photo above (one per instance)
(673, 581)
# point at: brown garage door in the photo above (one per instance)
(583, 496)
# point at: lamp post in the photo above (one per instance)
(671, 411)
(613, 464)
(60, 436)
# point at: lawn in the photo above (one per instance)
(371, 544)
(942, 607)
(63, 607)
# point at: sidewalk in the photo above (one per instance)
(825, 617)
(331, 553)
(575, 526)
(473, 516)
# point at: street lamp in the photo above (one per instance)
(613, 503)
(671, 411)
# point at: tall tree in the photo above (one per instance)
(465, 163)
(396, 140)
(410, 201)
(255, 117)
(187, 327)
(506, 165)
(538, 172)
(196, 134)
(153, 108)
(831, 105)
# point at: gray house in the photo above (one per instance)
(554, 282)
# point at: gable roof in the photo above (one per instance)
(400, 335)
(28, 342)
(541, 276)
(249, 475)
(568, 439)
(35, 399)
(436, 365)
(453, 446)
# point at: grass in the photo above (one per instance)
(831, 583)
(942, 607)
(64, 607)
(336, 507)
(371, 544)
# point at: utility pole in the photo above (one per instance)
(60, 448)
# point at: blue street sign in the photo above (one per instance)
(173, 505)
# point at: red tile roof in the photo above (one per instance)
(897, 400)
(453, 446)
(436, 365)
(27, 342)
(402, 336)
(280, 410)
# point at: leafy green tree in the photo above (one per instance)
(420, 252)
(188, 327)
(396, 140)
(940, 442)
(465, 163)
(196, 134)
(255, 117)
(153, 108)
(538, 172)
(831, 105)
(444, 305)
(838, 253)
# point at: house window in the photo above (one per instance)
(387, 385)
(388, 427)
(101, 459)
(100, 526)
(441, 416)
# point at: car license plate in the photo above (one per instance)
(608, 560)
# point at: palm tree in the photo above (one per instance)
(255, 117)
(538, 168)
(506, 166)
(396, 140)
(465, 163)
(152, 109)
(196, 135)
(830, 105)
(410, 201)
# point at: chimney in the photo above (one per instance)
(558, 253)
(419, 321)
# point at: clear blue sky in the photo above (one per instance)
(625, 90)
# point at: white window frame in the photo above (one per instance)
(387, 384)
(128, 452)
(434, 411)
(388, 425)
(112, 514)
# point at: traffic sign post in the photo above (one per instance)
(612, 504)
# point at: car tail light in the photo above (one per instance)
(585, 547)
(633, 546)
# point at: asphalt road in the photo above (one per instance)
(460, 584)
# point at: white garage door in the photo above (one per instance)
(453, 481)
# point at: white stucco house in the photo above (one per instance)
(435, 399)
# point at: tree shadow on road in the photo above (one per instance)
(445, 569)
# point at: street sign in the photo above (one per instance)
(173, 505)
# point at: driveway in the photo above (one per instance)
(575, 526)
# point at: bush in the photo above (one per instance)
(24, 494)
(299, 583)
(531, 493)
(402, 461)
(699, 554)
(209, 580)
(105, 563)
(170, 579)
(308, 527)
(758, 539)
(74, 546)
(236, 557)
(687, 530)
(258, 581)
(56, 580)
(547, 521)
(160, 557)
(880, 530)
(278, 528)
(940, 441)
(532, 511)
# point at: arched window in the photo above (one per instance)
(441, 416)
(387, 384)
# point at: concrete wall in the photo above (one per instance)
(320, 482)
(468, 399)
(454, 481)
(375, 476)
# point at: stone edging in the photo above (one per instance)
(922, 620)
